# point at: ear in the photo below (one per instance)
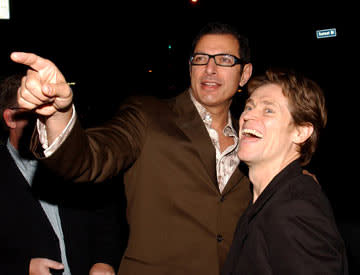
(246, 74)
(302, 133)
(8, 116)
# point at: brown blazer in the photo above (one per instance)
(179, 222)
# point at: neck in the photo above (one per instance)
(14, 140)
(21, 144)
(219, 116)
(261, 174)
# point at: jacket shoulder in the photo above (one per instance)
(146, 107)
(302, 195)
(147, 103)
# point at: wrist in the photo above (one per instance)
(56, 123)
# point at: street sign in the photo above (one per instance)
(326, 33)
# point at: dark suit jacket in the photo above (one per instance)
(290, 229)
(179, 222)
(26, 232)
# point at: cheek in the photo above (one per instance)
(232, 80)
(278, 141)
(193, 74)
(274, 136)
(197, 71)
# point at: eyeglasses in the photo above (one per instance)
(221, 59)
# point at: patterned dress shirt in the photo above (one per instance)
(226, 161)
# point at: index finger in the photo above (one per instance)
(34, 61)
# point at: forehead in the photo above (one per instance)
(269, 94)
(218, 43)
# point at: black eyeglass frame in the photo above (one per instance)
(236, 59)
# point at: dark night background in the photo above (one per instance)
(108, 48)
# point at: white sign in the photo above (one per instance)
(4, 9)
(325, 33)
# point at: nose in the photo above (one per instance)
(249, 114)
(246, 117)
(211, 67)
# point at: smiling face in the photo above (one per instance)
(268, 135)
(214, 85)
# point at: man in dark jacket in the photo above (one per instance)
(46, 226)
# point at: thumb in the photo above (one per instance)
(61, 94)
(53, 264)
(58, 89)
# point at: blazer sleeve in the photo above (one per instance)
(303, 239)
(99, 153)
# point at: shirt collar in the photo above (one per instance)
(26, 166)
(207, 119)
(14, 153)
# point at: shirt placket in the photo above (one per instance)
(228, 157)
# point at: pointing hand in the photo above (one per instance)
(44, 88)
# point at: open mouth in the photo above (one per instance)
(252, 133)
(210, 84)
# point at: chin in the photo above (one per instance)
(247, 157)
(244, 158)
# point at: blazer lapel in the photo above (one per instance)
(20, 186)
(242, 229)
(277, 183)
(189, 121)
(234, 180)
(239, 172)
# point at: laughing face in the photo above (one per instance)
(214, 85)
(267, 132)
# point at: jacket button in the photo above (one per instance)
(222, 198)
(219, 238)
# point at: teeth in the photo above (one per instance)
(210, 84)
(252, 132)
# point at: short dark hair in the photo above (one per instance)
(221, 28)
(8, 94)
(306, 104)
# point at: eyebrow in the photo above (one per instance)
(265, 102)
(224, 53)
(250, 101)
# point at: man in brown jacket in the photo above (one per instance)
(184, 190)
